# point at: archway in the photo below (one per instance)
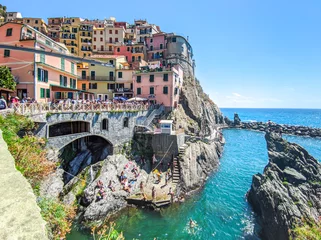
(83, 152)
(69, 127)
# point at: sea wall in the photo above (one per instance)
(271, 126)
(20, 216)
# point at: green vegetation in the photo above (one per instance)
(3, 11)
(106, 233)
(307, 231)
(30, 159)
(6, 78)
(58, 216)
(310, 203)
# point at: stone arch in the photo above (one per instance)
(63, 128)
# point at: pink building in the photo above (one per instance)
(42, 77)
(156, 47)
(162, 85)
(133, 53)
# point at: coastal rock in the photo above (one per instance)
(199, 161)
(197, 113)
(237, 120)
(53, 185)
(95, 209)
(288, 191)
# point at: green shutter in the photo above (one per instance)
(39, 74)
(70, 82)
(42, 93)
(47, 93)
(46, 76)
(61, 80)
(72, 68)
(42, 58)
(62, 64)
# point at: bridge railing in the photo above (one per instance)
(38, 108)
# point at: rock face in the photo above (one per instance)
(197, 113)
(112, 167)
(199, 161)
(20, 216)
(237, 120)
(289, 189)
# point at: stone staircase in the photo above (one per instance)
(176, 175)
(148, 122)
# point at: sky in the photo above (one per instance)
(249, 53)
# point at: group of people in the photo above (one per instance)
(4, 104)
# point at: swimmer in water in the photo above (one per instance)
(192, 223)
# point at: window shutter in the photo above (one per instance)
(46, 76)
(39, 74)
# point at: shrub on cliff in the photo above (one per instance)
(307, 230)
(28, 150)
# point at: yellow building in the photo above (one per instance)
(69, 34)
(124, 81)
(37, 23)
(85, 39)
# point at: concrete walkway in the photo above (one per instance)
(19, 213)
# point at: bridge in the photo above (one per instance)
(64, 123)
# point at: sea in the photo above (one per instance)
(220, 209)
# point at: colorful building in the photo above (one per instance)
(11, 16)
(156, 47)
(85, 39)
(69, 34)
(144, 30)
(37, 23)
(159, 84)
(55, 27)
(39, 76)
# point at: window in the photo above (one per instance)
(116, 31)
(116, 39)
(102, 48)
(94, 39)
(165, 90)
(42, 92)
(36, 21)
(62, 64)
(176, 91)
(6, 53)
(110, 48)
(47, 93)
(151, 40)
(139, 79)
(28, 21)
(94, 32)
(83, 86)
(92, 85)
(151, 90)
(111, 62)
(151, 78)
(151, 48)
(42, 75)
(42, 58)
(128, 49)
(95, 47)
(139, 58)
(161, 46)
(92, 75)
(133, 58)
(174, 39)
(110, 40)
(72, 68)
(63, 81)
(126, 122)
(104, 124)
(9, 32)
(101, 33)
(110, 31)
(101, 39)
(120, 75)
(165, 77)
(118, 49)
(139, 91)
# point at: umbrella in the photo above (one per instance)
(136, 99)
(120, 98)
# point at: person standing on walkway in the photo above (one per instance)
(153, 193)
(3, 103)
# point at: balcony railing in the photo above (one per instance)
(28, 36)
(97, 78)
(123, 90)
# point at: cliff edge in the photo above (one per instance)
(288, 193)
(197, 113)
(20, 216)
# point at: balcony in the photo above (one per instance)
(68, 36)
(71, 44)
(86, 49)
(137, 51)
(28, 36)
(86, 28)
(97, 78)
(123, 90)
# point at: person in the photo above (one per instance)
(166, 177)
(3, 103)
(154, 159)
(122, 177)
(101, 194)
(126, 185)
(110, 186)
(153, 193)
(141, 186)
(100, 184)
(192, 223)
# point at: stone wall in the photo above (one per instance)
(116, 134)
(20, 216)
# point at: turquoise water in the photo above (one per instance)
(220, 208)
(304, 117)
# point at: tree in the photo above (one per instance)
(6, 78)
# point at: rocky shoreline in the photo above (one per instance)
(280, 128)
(287, 195)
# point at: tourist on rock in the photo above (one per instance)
(153, 193)
(154, 160)
(122, 177)
(141, 186)
(100, 184)
(126, 185)
(101, 194)
(110, 186)
(166, 178)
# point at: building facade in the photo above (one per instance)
(37, 23)
(161, 85)
(41, 77)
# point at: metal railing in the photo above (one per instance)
(38, 108)
(97, 78)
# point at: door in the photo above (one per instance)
(106, 97)
(92, 75)
(111, 76)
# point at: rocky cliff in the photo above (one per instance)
(197, 113)
(198, 162)
(289, 190)
(20, 216)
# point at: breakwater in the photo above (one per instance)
(271, 126)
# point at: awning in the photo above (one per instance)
(6, 90)
(57, 88)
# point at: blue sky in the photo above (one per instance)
(249, 53)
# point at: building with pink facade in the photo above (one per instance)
(156, 47)
(42, 77)
(160, 84)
